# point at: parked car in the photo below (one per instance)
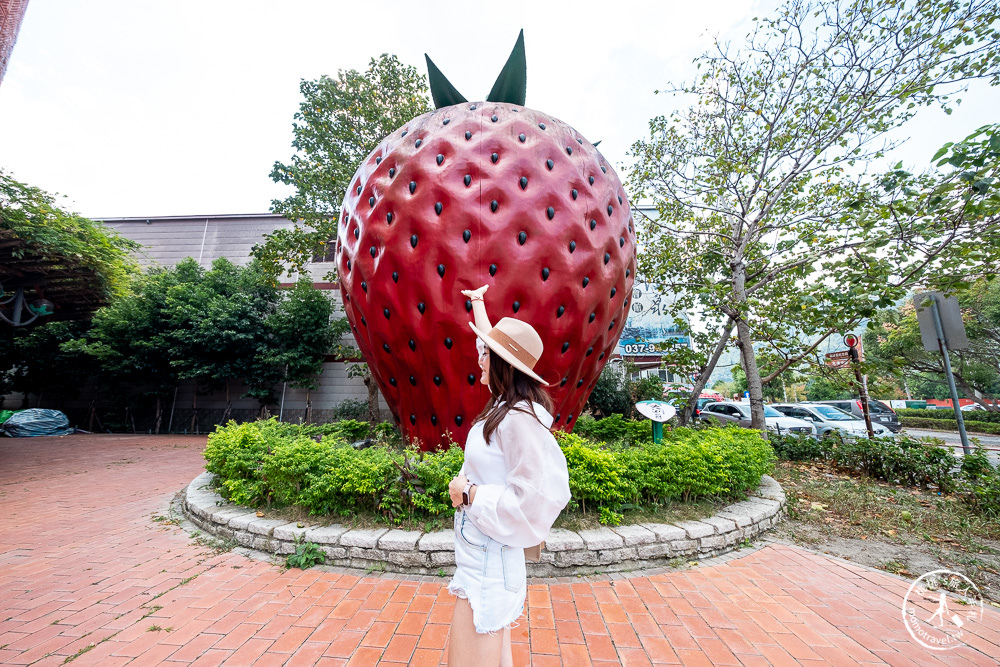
(724, 413)
(971, 407)
(828, 420)
(879, 411)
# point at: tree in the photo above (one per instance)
(36, 363)
(338, 124)
(894, 342)
(759, 205)
(76, 263)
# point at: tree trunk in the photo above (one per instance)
(373, 409)
(159, 415)
(754, 385)
(706, 371)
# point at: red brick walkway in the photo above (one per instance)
(87, 570)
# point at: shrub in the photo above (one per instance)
(594, 472)
(614, 429)
(977, 415)
(949, 423)
(351, 408)
(794, 447)
(901, 460)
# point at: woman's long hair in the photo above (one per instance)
(511, 387)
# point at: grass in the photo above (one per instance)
(825, 504)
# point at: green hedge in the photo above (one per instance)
(315, 468)
(949, 423)
(904, 461)
(946, 415)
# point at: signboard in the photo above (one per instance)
(651, 323)
(658, 411)
(841, 359)
(951, 321)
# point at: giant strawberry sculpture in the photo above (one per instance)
(472, 194)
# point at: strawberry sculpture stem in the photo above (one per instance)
(472, 194)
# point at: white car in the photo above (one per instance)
(828, 420)
(729, 412)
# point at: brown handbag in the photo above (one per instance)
(534, 554)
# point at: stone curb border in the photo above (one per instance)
(566, 552)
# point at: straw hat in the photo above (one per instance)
(516, 342)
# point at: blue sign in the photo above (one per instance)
(652, 324)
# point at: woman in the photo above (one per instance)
(510, 490)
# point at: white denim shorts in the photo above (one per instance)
(490, 575)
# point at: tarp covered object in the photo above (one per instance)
(36, 421)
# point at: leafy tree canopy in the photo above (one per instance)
(76, 263)
(339, 122)
(760, 212)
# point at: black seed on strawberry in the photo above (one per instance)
(437, 380)
(614, 290)
(468, 135)
(593, 224)
(378, 160)
(413, 381)
(610, 210)
(417, 144)
(446, 121)
(550, 212)
(372, 251)
(404, 133)
(494, 157)
(558, 414)
(607, 258)
(348, 265)
(395, 277)
(494, 118)
(392, 381)
(371, 201)
(586, 281)
(563, 382)
(550, 164)
(385, 311)
(603, 169)
(357, 234)
(573, 192)
(467, 180)
(593, 316)
(413, 419)
(392, 172)
(438, 207)
(601, 356)
(541, 125)
(591, 179)
(565, 347)
(441, 270)
(434, 419)
(619, 196)
(466, 235)
(493, 269)
(590, 351)
(471, 378)
(458, 420)
(523, 182)
(413, 241)
(388, 218)
(579, 384)
(562, 309)
(363, 321)
(628, 272)
(413, 344)
(569, 150)
(468, 306)
(522, 238)
(494, 205)
(621, 241)
(516, 306)
(385, 346)
(413, 187)
(364, 286)
(421, 307)
(545, 273)
(522, 138)
(612, 325)
(572, 246)
(440, 158)
(448, 343)
(472, 108)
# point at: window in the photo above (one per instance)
(325, 253)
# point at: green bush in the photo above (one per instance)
(614, 429)
(314, 467)
(794, 447)
(975, 415)
(351, 408)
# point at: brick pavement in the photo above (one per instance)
(89, 570)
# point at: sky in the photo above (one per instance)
(155, 108)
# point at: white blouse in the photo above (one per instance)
(521, 477)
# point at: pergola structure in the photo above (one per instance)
(37, 286)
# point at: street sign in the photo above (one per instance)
(850, 340)
(841, 359)
(951, 321)
(658, 411)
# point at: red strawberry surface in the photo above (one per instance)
(475, 194)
